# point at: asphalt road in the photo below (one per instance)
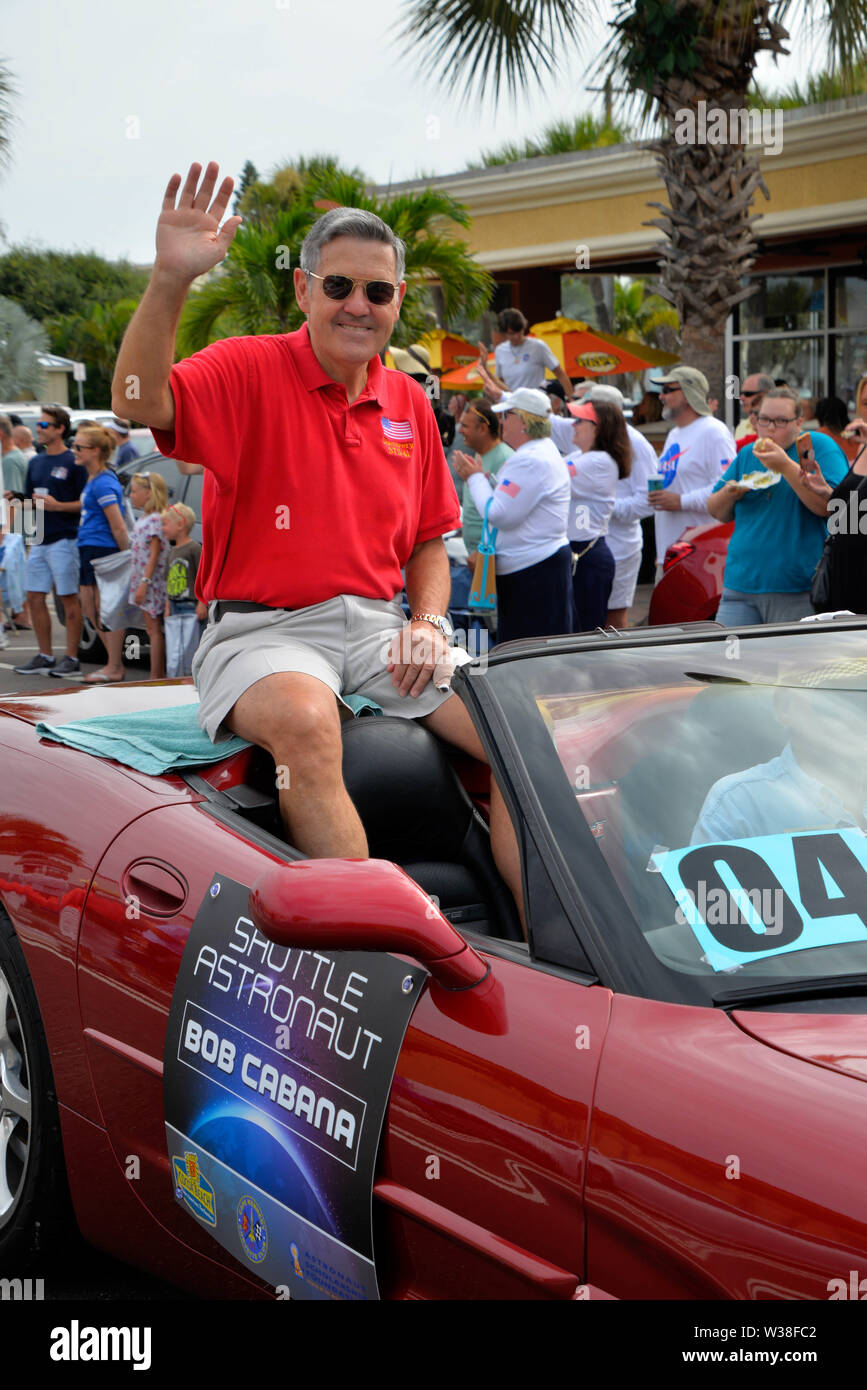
(23, 645)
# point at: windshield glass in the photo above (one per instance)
(724, 785)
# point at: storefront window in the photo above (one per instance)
(850, 300)
(850, 361)
(798, 361)
(785, 304)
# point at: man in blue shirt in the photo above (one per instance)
(126, 450)
(55, 481)
(779, 529)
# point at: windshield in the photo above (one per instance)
(724, 785)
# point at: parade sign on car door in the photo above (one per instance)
(277, 1072)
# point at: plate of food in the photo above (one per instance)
(759, 479)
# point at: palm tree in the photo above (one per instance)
(8, 89)
(254, 290)
(22, 339)
(670, 54)
(94, 338)
(644, 317)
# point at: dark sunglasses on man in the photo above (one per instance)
(341, 287)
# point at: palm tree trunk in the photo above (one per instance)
(710, 244)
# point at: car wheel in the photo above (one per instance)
(90, 646)
(33, 1195)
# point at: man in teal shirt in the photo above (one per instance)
(780, 529)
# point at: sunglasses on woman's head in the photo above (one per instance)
(341, 287)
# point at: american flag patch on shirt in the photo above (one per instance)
(400, 430)
(511, 488)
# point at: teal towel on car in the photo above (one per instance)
(155, 741)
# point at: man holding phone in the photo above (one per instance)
(779, 528)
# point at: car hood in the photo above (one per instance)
(64, 706)
(837, 1042)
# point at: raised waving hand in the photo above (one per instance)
(190, 239)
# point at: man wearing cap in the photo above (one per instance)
(528, 503)
(302, 566)
(697, 451)
(625, 537)
(126, 450)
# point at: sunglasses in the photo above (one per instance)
(77, 448)
(749, 395)
(47, 425)
(669, 390)
(341, 287)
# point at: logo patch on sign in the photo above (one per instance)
(397, 436)
(192, 1188)
(252, 1230)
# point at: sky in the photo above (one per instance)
(116, 95)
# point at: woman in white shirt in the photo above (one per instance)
(528, 503)
(603, 457)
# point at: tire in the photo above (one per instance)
(90, 647)
(34, 1203)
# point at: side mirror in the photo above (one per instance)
(362, 905)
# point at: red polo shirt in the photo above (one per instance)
(306, 496)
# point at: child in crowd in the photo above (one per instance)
(149, 495)
(182, 638)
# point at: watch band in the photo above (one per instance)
(436, 619)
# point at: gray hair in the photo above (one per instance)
(535, 426)
(764, 383)
(6, 426)
(351, 222)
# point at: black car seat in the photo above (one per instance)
(416, 813)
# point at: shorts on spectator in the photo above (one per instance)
(53, 565)
(744, 610)
(88, 553)
(342, 642)
(625, 580)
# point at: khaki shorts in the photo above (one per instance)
(343, 643)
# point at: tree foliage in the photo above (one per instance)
(21, 341)
(52, 284)
(253, 291)
(582, 133)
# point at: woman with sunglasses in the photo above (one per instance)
(102, 531)
(603, 456)
(529, 507)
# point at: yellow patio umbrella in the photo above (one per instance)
(585, 351)
(445, 351)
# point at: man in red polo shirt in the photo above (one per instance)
(324, 477)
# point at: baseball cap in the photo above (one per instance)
(555, 389)
(526, 398)
(694, 383)
(599, 392)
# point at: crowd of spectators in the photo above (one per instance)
(78, 516)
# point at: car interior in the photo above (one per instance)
(414, 803)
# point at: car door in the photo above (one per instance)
(478, 1190)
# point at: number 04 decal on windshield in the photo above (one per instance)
(748, 899)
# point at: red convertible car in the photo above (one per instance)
(658, 1094)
